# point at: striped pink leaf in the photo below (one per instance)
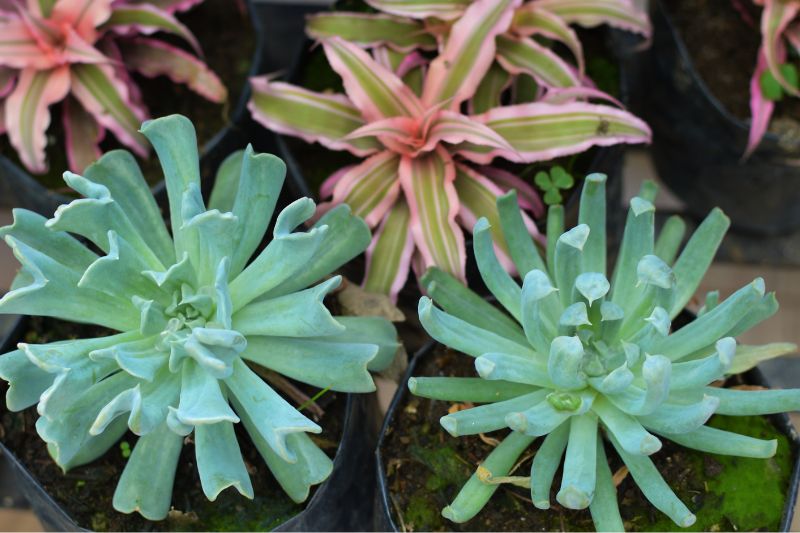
(427, 183)
(82, 15)
(27, 113)
(775, 19)
(171, 6)
(18, 48)
(454, 128)
(530, 20)
(314, 117)
(421, 9)
(572, 94)
(527, 196)
(82, 135)
(526, 56)
(369, 30)
(621, 14)
(374, 89)
(7, 78)
(370, 188)
(539, 132)
(327, 187)
(761, 108)
(469, 51)
(490, 90)
(389, 254)
(103, 94)
(146, 19)
(152, 58)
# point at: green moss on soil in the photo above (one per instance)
(426, 468)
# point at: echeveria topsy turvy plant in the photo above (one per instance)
(193, 314)
(578, 357)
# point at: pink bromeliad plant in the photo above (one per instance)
(401, 26)
(774, 75)
(427, 164)
(79, 53)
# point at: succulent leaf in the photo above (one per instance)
(192, 314)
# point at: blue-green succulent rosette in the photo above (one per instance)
(576, 359)
(193, 309)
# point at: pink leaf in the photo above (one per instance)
(19, 48)
(441, 9)
(621, 14)
(525, 56)
(455, 128)
(374, 89)
(539, 132)
(760, 108)
(326, 189)
(103, 94)
(389, 254)
(370, 188)
(146, 19)
(82, 135)
(83, 15)
(526, 195)
(314, 117)
(7, 78)
(27, 114)
(427, 183)
(571, 94)
(455, 74)
(530, 20)
(775, 19)
(171, 6)
(152, 58)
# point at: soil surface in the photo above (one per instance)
(426, 468)
(226, 36)
(723, 44)
(86, 492)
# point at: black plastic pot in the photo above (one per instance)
(342, 503)
(383, 520)
(20, 189)
(698, 144)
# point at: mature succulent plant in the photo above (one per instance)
(194, 315)
(428, 164)
(581, 357)
(81, 53)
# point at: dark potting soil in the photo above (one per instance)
(426, 467)
(227, 39)
(86, 492)
(723, 45)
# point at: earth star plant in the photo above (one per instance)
(428, 164)
(194, 315)
(81, 53)
(580, 357)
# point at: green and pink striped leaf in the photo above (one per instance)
(526, 56)
(527, 196)
(775, 19)
(469, 51)
(621, 14)
(371, 188)
(109, 101)
(389, 254)
(27, 113)
(421, 9)
(82, 136)
(427, 183)
(152, 58)
(539, 132)
(530, 20)
(171, 6)
(82, 15)
(369, 30)
(18, 48)
(375, 90)
(146, 19)
(314, 117)
(454, 128)
(761, 108)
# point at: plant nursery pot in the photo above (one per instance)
(432, 466)
(233, 130)
(342, 503)
(698, 143)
